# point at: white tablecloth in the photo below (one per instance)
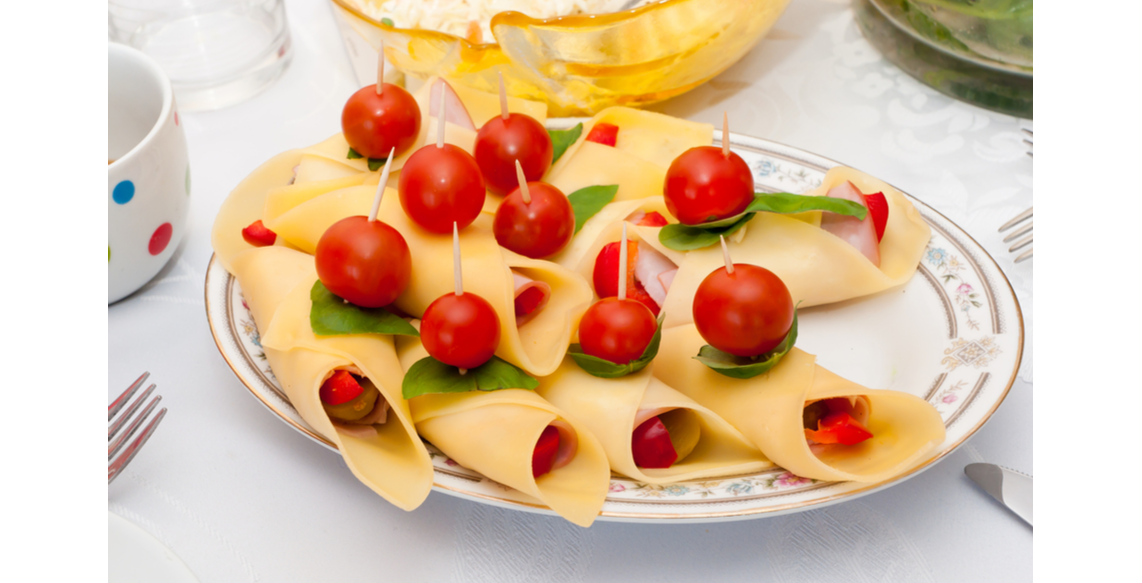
(241, 496)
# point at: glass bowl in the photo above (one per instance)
(579, 65)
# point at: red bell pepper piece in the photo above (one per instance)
(651, 446)
(528, 301)
(839, 427)
(604, 133)
(878, 208)
(545, 449)
(340, 388)
(258, 235)
(652, 219)
(606, 275)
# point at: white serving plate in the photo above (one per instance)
(952, 335)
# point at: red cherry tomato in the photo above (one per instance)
(339, 389)
(375, 124)
(462, 331)
(604, 133)
(651, 446)
(536, 229)
(745, 313)
(365, 262)
(501, 142)
(616, 330)
(439, 186)
(878, 208)
(702, 186)
(545, 449)
(258, 235)
(606, 275)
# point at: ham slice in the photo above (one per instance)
(568, 443)
(860, 234)
(530, 298)
(363, 427)
(455, 111)
(648, 269)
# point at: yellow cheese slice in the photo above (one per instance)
(607, 408)
(537, 347)
(595, 164)
(495, 433)
(246, 203)
(394, 463)
(768, 410)
(284, 198)
(313, 168)
(483, 106)
(817, 267)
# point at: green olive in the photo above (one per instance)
(357, 408)
(684, 429)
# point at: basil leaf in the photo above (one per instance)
(562, 139)
(744, 368)
(608, 370)
(387, 22)
(332, 316)
(376, 163)
(681, 237)
(353, 155)
(786, 204)
(430, 376)
(585, 202)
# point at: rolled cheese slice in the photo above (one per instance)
(246, 204)
(392, 460)
(537, 346)
(611, 409)
(495, 433)
(768, 410)
(817, 266)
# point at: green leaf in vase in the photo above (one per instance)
(430, 376)
(562, 139)
(586, 202)
(744, 368)
(333, 316)
(608, 370)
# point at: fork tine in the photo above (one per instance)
(114, 428)
(113, 408)
(1026, 255)
(125, 458)
(1022, 242)
(114, 447)
(1021, 217)
(1019, 232)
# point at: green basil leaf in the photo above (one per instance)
(353, 155)
(333, 316)
(430, 376)
(608, 370)
(745, 368)
(585, 202)
(786, 204)
(376, 163)
(387, 22)
(681, 237)
(562, 139)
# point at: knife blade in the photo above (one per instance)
(1011, 488)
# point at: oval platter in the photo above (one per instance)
(953, 335)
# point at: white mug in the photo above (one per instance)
(148, 175)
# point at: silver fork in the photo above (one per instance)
(1024, 230)
(119, 431)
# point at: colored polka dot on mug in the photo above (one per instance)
(123, 192)
(160, 239)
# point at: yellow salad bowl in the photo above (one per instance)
(581, 64)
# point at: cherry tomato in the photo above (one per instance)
(374, 124)
(543, 457)
(745, 313)
(702, 186)
(365, 262)
(339, 388)
(439, 186)
(501, 142)
(878, 208)
(606, 275)
(536, 229)
(258, 235)
(462, 331)
(651, 446)
(616, 330)
(604, 133)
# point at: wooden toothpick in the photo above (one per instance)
(381, 185)
(726, 255)
(456, 260)
(381, 68)
(522, 182)
(442, 112)
(623, 264)
(725, 134)
(503, 98)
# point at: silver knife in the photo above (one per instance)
(1010, 487)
